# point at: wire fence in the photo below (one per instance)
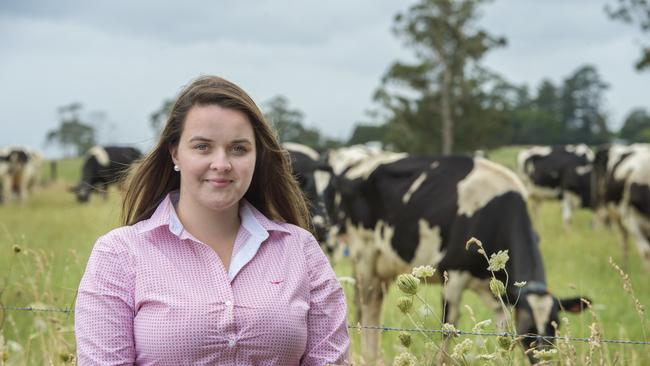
(395, 329)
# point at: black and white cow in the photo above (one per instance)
(5, 177)
(103, 166)
(20, 170)
(558, 172)
(313, 176)
(404, 211)
(623, 181)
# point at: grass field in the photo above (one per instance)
(55, 236)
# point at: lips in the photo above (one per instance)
(219, 182)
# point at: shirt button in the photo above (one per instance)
(231, 343)
(228, 303)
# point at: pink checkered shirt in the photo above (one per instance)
(152, 294)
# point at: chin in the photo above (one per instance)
(221, 204)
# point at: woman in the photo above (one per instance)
(214, 264)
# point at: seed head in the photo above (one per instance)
(17, 249)
(473, 241)
(450, 330)
(405, 339)
(462, 348)
(497, 287)
(480, 326)
(544, 355)
(423, 271)
(498, 260)
(405, 304)
(407, 283)
(504, 342)
(405, 359)
(487, 357)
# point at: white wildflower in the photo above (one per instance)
(450, 330)
(461, 349)
(498, 260)
(423, 271)
(546, 354)
(480, 326)
(405, 359)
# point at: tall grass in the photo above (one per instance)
(55, 235)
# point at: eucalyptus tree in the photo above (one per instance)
(442, 82)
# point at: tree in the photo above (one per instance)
(448, 47)
(159, 116)
(72, 132)
(636, 127)
(634, 12)
(582, 100)
(288, 123)
(367, 132)
(536, 120)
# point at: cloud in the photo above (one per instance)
(258, 21)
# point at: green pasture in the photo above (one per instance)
(46, 241)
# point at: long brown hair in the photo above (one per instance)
(273, 190)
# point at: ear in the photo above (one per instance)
(574, 304)
(173, 152)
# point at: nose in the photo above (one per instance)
(220, 162)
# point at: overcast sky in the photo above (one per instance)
(124, 58)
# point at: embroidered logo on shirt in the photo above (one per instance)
(277, 282)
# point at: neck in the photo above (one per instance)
(217, 229)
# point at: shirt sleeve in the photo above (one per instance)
(104, 307)
(327, 339)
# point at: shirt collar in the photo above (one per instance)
(255, 222)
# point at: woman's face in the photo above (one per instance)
(216, 156)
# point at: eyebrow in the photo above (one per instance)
(205, 139)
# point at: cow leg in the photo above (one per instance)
(625, 245)
(22, 189)
(567, 207)
(535, 204)
(631, 221)
(482, 289)
(370, 300)
(6, 189)
(368, 291)
(453, 294)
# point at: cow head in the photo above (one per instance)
(82, 192)
(537, 315)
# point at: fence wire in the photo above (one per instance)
(394, 329)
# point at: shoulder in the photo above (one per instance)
(119, 240)
(293, 232)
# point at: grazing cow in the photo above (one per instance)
(5, 178)
(20, 169)
(103, 166)
(558, 172)
(404, 211)
(313, 176)
(623, 181)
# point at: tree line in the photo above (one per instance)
(447, 101)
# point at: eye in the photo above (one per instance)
(201, 147)
(239, 149)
